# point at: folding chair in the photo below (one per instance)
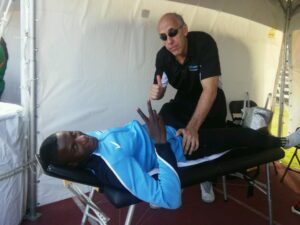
(235, 108)
(290, 162)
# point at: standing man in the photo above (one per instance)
(189, 61)
(3, 64)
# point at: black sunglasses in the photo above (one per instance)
(172, 32)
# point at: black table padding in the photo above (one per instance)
(236, 160)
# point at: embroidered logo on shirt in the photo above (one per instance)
(194, 68)
(116, 144)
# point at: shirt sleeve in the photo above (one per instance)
(158, 66)
(210, 62)
(164, 191)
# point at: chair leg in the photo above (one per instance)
(97, 215)
(87, 208)
(290, 162)
(224, 188)
(297, 158)
(275, 168)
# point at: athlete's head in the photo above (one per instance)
(67, 148)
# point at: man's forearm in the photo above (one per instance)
(203, 107)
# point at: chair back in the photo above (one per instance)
(235, 108)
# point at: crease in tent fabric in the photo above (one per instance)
(5, 18)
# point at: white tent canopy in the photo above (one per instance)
(88, 64)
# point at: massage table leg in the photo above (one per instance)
(129, 214)
(87, 201)
(269, 194)
(224, 188)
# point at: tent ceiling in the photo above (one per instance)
(295, 5)
(244, 8)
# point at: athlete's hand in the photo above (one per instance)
(155, 124)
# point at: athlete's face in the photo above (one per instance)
(74, 147)
(173, 35)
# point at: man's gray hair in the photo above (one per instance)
(179, 18)
(176, 16)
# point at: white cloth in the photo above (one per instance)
(12, 156)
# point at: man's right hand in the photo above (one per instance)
(157, 90)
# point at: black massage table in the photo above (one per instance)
(234, 161)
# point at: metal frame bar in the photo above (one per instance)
(269, 194)
(87, 200)
(290, 162)
(32, 110)
(263, 187)
(285, 63)
(130, 213)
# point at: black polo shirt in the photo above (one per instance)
(202, 61)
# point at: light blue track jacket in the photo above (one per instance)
(130, 153)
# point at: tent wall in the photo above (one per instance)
(95, 60)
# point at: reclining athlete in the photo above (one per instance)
(126, 157)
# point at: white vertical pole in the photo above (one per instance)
(285, 68)
(31, 80)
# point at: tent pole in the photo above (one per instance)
(281, 4)
(32, 177)
(285, 68)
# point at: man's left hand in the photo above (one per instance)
(190, 142)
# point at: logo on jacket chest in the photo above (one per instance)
(117, 146)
